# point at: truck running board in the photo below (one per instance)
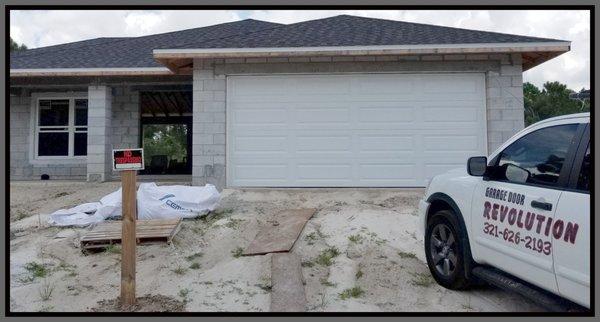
(509, 283)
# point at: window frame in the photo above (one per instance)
(563, 178)
(71, 128)
(584, 143)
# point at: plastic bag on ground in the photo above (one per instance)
(168, 202)
(153, 202)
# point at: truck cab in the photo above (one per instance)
(523, 210)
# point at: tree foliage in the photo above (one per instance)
(551, 100)
(16, 47)
(165, 139)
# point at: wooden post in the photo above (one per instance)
(128, 239)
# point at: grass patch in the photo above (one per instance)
(407, 255)
(237, 252)
(36, 269)
(20, 215)
(46, 291)
(326, 257)
(61, 194)
(359, 274)
(422, 279)
(194, 256)
(307, 264)
(184, 292)
(195, 265)
(357, 239)
(265, 284)
(113, 249)
(352, 292)
(311, 238)
(179, 270)
(327, 283)
(234, 223)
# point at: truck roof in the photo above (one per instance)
(565, 117)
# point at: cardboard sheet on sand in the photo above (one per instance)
(280, 234)
(286, 278)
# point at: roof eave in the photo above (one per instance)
(169, 57)
(109, 71)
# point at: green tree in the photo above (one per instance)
(552, 100)
(165, 139)
(16, 47)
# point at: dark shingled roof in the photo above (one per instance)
(341, 30)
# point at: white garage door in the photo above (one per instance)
(352, 130)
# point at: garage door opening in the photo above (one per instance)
(352, 130)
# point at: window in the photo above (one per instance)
(583, 183)
(61, 129)
(537, 157)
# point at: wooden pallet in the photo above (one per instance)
(147, 231)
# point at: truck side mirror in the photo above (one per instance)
(476, 166)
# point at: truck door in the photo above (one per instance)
(572, 237)
(513, 207)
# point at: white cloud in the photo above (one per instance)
(43, 28)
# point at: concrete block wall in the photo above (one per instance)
(123, 132)
(21, 136)
(99, 133)
(504, 101)
(125, 120)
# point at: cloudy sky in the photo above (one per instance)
(44, 28)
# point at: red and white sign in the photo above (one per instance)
(128, 159)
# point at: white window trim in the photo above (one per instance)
(34, 158)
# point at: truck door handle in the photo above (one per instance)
(541, 205)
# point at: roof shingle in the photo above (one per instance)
(341, 30)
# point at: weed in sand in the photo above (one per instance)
(422, 279)
(194, 256)
(45, 291)
(325, 258)
(352, 292)
(20, 214)
(307, 264)
(233, 223)
(359, 274)
(113, 249)
(326, 282)
(36, 269)
(179, 270)
(311, 238)
(61, 194)
(46, 308)
(407, 255)
(237, 252)
(184, 293)
(265, 284)
(357, 239)
(195, 265)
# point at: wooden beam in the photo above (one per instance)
(128, 239)
(173, 101)
(165, 110)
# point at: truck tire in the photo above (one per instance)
(446, 250)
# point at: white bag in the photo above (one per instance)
(166, 202)
(153, 202)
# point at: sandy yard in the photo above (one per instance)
(360, 252)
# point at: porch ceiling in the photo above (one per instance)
(166, 103)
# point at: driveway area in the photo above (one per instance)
(359, 252)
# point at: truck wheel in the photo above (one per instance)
(445, 244)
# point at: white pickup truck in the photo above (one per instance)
(519, 218)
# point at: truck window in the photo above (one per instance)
(537, 157)
(583, 183)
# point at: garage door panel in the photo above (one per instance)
(260, 144)
(386, 143)
(382, 130)
(385, 115)
(323, 143)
